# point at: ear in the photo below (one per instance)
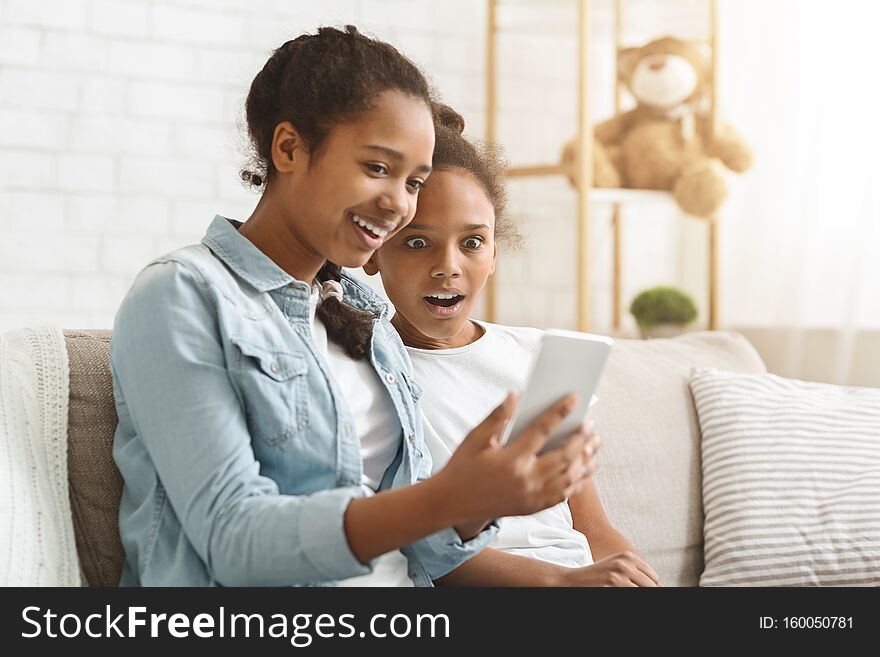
(494, 258)
(703, 53)
(627, 58)
(370, 267)
(287, 148)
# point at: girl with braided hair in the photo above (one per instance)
(434, 271)
(269, 431)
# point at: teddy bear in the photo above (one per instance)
(665, 142)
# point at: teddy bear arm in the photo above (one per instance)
(605, 172)
(731, 149)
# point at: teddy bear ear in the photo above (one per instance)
(703, 50)
(626, 60)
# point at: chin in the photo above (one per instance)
(444, 329)
(351, 260)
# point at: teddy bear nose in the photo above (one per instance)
(657, 64)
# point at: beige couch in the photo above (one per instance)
(649, 477)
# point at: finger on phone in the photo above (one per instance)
(579, 446)
(560, 460)
(555, 489)
(581, 476)
(536, 435)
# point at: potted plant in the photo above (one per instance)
(662, 312)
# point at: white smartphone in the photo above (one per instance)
(566, 362)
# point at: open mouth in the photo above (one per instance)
(445, 301)
(444, 305)
(372, 235)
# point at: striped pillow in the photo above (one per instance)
(791, 481)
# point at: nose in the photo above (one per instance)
(657, 64)
(448, 265)
(395, 200)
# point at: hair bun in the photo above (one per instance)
(447, 117)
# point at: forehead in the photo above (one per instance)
(452, 198)
(398, 122)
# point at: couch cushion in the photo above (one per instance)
(649, 466)
(95, 483)
(791, 481)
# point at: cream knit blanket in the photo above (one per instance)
(37, 546)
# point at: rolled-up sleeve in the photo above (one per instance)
(173, 388)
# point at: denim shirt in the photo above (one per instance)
(237, 449)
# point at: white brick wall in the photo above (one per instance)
(20, 46)
(27, 89)
(60, 14)
(119, 18)
(120, 136)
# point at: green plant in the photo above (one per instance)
(662, 305)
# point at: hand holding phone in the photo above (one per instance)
(566, 362)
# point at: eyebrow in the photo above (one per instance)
(397, 156)
(425, 227)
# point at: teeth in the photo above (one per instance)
(437, 295)
(378, 232)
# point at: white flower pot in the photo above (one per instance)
(662, 330)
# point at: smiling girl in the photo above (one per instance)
(268, 427)
(434, 272)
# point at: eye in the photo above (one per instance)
(473, 242)
(416, 242)
(376, 169)
(415, 185)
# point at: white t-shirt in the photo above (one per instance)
(378, 429)
(461, 386)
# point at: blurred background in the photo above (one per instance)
(121, 136)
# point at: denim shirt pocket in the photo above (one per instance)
(273, 384)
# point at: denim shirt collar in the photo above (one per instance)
(257, 269)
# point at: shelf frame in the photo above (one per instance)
(581, 170)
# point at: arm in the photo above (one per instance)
(616, 562)
(731, 149)
(589, 518)
(493, 567)
(391, 519)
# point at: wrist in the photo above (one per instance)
(441, 499)
(469, 530)
(553, 575)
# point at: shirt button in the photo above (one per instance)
(411, 438)
(390, 378)
(274, 367)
